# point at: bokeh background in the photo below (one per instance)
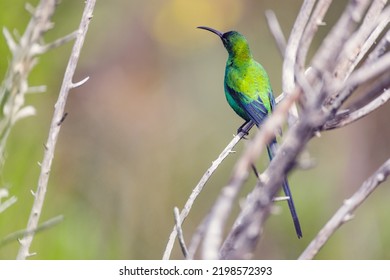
(152, 117)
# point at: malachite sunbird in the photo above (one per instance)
(248, 91)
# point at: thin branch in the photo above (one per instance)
(198, 188)
(6, 204)
(362, 40)
(325, 58)
(375, 34)
(276, 31)
(9, 40)
(288, 73)
(369, 91)
(80, 83)
(316, 20)
(293, 44)
(29, 8)
(358, 77)
(59, 42)
(346, 211)
(19, 234)
(53, 133)
(349, 116)
(179, 231)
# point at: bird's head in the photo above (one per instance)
(235, 43)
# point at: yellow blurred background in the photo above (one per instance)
(145, 127)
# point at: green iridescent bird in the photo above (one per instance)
(248, 91)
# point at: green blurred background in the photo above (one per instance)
(152, 117)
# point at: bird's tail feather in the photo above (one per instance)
(271, 148)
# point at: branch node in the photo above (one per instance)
(80, 83)
(348, 217)
(380, 177)
(280, 198)
(29, 8)
(10, 41)
(57, 43)
(321, 23)
(31, 254)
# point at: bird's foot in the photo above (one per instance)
(243, 129)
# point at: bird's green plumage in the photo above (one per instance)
(247, 86)
(248, 91)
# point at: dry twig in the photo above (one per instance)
(58, 114)
(24, 57)
(179, 231)
(345, 212)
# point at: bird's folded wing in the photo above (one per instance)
(256, 110)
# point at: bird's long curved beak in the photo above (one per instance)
(211, 30)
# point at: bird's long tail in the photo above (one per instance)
(271, 148)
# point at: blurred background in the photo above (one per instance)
(149, 122)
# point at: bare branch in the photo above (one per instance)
(59, 42)
(80, 83)
(29, 8)
(325, 57)
(53, 133)
(6, 204)
(10, 41)
(358, 77)
(276, 31)
(288, 74)
(19, 234)
(358, 114)
(346, 211)
(316, 20)
(293, 44)
(362, 40)
(179, 231)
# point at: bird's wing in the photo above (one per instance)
(255, 108)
